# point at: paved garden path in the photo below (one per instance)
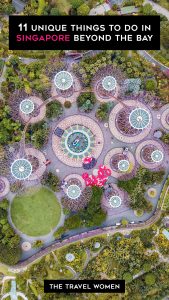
(74, 273)
(19, 5)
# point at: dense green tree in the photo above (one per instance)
(165, 138)
(150, 85)
(147, 267)
(164, 34)
(6, 7)
(138, 2)
(9, 240)
(86, 101)
(55, 12)
(41, 7)
(9, 256)
(147, 9)
(127, 277)
(145, 235)
(52, 181)
(73, 222)
(54, 110)
(124, 222)
(38, 244)
(136, 187)
(38, 134)
(93, 215)
(150, 279)
(39, 137)
(162, 243)
(10, 131)
(102, 112)
(76, 3)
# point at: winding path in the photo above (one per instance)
(88, 234)
(152, 60)
(19, 5)
(158, 8)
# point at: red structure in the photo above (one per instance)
(100, 179)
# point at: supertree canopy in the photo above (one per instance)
(157, 155)
(139, 118)
(109, 83)
(21, 169)
(115, 201)
(63, 80)
(73, 191)
(26, 106)
(123, 165)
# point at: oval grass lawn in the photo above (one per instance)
(36, 212)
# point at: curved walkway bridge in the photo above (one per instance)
(88, 234)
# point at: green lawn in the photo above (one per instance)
(36, 212)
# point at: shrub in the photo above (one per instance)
(2, 152)
(52, 181)
(165, 138)
(57, 234)
(40, 137)
(39, 134)
(83, 10)
(138, 212)
(37, 244)
(67, 104)
(17, 187)
(147, 267)
(93, 215)
(54, 110)
(86, 101)
(127, 277)
(124, 222)
(73, 222)
(150, 85)
(150, 279)
(10, 241)
(103, 111)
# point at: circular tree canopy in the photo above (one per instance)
(63, 80)
(139, 118)
(27, 106)
(21, 169)
(150, 279)
(109, 83)
(157, 155)
(36, 212)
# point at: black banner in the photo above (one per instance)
(84, 32)
(84, 286)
